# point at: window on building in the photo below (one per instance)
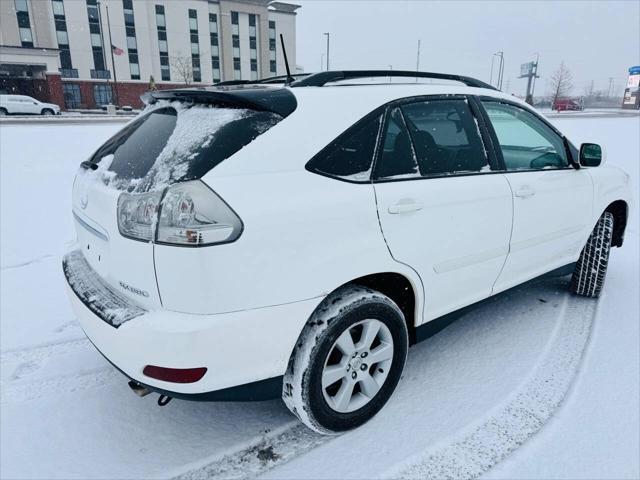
(93, 14)
(62, 37)
(65, 60)
(195, 45)
(72, 95)
(132, 42)
(102, 94)
(24, 24)
(272, 47)
(163, 47)
(215, 49)
(134, 70)
(58, 8)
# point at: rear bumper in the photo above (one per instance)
(245, 352)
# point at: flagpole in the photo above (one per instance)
(113, 63)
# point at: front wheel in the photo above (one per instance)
(591, 269)
(347, 361)
(47, 111)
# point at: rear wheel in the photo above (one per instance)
(591, 269)
(348, 360)
(3, 112)
(47, 111)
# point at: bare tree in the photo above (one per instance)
(183, 67)
(561, 82)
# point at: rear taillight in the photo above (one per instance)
(188, 214)
(175, 375)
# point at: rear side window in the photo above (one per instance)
(398, 159)
(350, 156)
(445, 137)
(526, 142)
(179, 142)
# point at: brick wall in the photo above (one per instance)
(54, 87)
(128, 93)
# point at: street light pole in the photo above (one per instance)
(327, 34)
(501, 69)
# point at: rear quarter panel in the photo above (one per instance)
(304, 235)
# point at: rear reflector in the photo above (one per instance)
(175, 375)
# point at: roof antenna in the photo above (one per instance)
(286, 62)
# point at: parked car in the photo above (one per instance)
(257, 241)
(566, 104)
(25, 105)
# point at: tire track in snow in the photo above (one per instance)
(27, 262)
(18, 387)
(262, 456)
(17, 392)
(41, 352)
(522, 416)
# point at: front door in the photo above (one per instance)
(443, 209)
(552, 201)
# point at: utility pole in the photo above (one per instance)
(327, 34)
(113, 62)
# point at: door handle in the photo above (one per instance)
(525, 191)
(405, 205)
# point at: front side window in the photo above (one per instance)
(526, 142)
(432, 138)
(350, 156)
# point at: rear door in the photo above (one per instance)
(552, 201)
(444, 208)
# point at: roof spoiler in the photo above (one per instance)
(276, 100)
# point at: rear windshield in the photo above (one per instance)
(178, 142)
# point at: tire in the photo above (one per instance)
(591, 269)
(346, 314)
(3, 112)
(47, 111)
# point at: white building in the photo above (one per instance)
(58, 50)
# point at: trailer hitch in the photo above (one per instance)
(163, 400)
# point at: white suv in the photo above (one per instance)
(251, 241)
(23, 104)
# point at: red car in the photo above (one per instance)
(562, 104)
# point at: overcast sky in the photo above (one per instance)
(597, 40)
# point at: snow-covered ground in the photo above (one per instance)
(534, 384)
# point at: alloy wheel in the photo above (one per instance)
(357, 365)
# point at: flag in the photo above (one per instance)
(116, 50)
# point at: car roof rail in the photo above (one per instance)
(321, 78)
(262, 81)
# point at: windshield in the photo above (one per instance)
(177, 142)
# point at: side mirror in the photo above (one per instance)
(590, 154)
